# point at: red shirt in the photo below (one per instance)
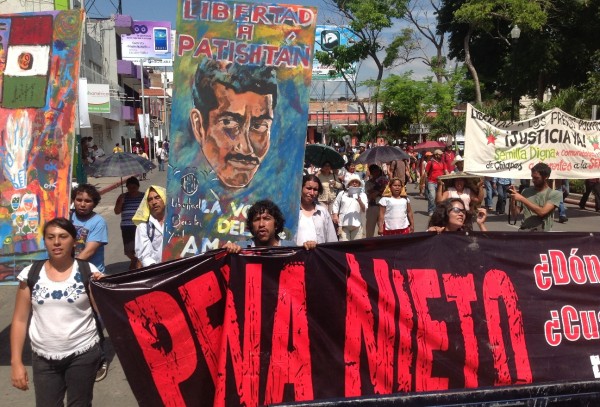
(434, 169)
(447, 158)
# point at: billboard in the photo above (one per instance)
(98, 98)
(327, 37)
(39, 71)
(238, 126)
(150, 42)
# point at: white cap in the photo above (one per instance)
(353, 177)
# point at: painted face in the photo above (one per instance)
(28, 202)
(59, 242)
(263, 229)
(310, 191)
(237, 137)
(84, 205)
(15, 201)
(156, 205)
(456, 216)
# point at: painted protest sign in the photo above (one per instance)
(570, 146)
(242, 76)
(354, 320)
(38, 95)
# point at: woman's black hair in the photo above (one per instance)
(313, 178)
(441, 218)
(62, 223)
(269, 207)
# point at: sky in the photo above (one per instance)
(161, 10)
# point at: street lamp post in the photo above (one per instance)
(515, 33)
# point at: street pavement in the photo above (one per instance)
(115, 390)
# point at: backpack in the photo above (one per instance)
(84, 269)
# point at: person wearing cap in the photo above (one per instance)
(459, 163)
(435, 167)
(448, 157)
(348, 208)
(136, 148)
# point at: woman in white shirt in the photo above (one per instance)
(348, 208)
(314, 224)
(63, 332)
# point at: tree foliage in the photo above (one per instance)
(368, 20)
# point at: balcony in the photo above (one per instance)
(123, 24)
(127, 113)
(127, 69)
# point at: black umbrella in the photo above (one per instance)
(318, 154)
(382, 154)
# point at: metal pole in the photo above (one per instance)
(143, 129)
(512, 87)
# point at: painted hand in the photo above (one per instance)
(17, 142)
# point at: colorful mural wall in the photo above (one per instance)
(238, 127)
(39, 68)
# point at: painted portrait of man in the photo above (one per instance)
(232, 117)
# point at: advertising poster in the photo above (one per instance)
(486, 313)
(238, 126)
(98, 98)
(327, 37)
(570, 146)
(150, 42)
(39, 69)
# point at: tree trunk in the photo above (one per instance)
(470, 65)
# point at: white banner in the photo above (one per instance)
(503, 149)
(84, 116)
(144, 122)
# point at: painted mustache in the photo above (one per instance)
(250, 159)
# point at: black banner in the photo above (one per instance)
(392, 315)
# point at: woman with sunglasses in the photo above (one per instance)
(451, 215)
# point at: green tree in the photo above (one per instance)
(470, 20)
(367, 19)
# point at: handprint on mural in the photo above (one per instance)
(17, 142)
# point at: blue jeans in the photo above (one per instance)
(562, 210)
(501, 190)
(489, 191)
(161, 165)
(431, 191)
(74, 375)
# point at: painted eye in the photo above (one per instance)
(229, 123)
(260, 126)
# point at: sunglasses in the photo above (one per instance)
(456, 209)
